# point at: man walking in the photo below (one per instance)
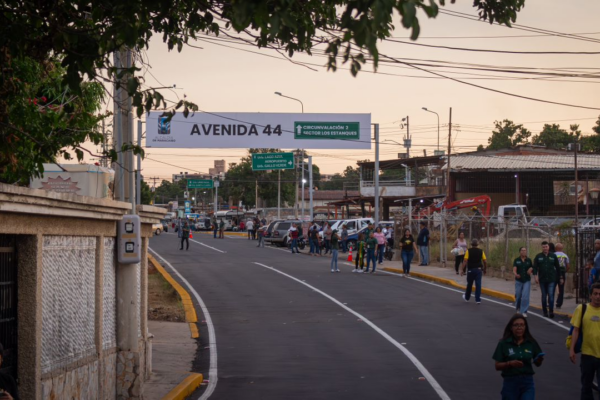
(250, 227)
(371, 246)
(293, 235)
(335, 246)
(475, 263)
(344, 237)
(587, 318)
(547, 274)
(185, 236)
(423, 243)
(327, 232)
(564, 262)
(261, 236)
(215, 224)
(221, 229)
(522, 269)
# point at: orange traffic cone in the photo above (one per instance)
(350, 256)
(191, 236)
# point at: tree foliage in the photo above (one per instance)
(83, 35)
(506, 135)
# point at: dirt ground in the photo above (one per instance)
(164, 303)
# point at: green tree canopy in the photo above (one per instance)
(83, 35)
(507, 134)
(553, 136)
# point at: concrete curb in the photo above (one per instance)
(188, 306)
(453, 283)
(185, 388)
(227, 233)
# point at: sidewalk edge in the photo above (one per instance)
(188, 306)
(453, 283)
(185, 388)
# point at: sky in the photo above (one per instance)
(226, 79)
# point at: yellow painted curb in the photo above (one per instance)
(186, 299)
(185, 388)
(227, 233)
(452, 282)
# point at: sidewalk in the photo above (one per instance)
(498, 287)
(173, 352)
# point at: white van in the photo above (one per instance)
(356, 225)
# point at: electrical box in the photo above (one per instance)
(130, 240)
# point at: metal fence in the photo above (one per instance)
(585, 251)
(8, 303)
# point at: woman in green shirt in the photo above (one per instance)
(515, 355)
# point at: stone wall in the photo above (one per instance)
(79, 383)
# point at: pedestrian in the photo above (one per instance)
(564, 262)
(371, 246)
(261, 236)
(475, 263)
(423, 243)
(327, 232)
(460, 244)
(344, 238)
(389, 236)
(293, 235)
(368, 231)
(250, 228)
(185, 236)
(593, 274)
(313, 239)
(359, 260)
(215, 225)
(515, 355)
(522, 269)
(221, 229)
(8, 385)
(547, 274)
(263, 221)
(380, 236)
(335, 247)
(409, 247)
(242, 226)
(586, 318)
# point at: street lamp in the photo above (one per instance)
(594, 195)
(438, 119)
(292, 98)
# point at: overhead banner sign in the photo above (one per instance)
(270, 161)
(199, 183)
(259, 130)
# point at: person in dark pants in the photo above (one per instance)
(515, 355)
(423, 243)
(215, 225)
(8, 385)
(586, 318)
(547, 274)
(564, 262)
(459, 248)
(185, 236)
(409, 248)
(475, 265)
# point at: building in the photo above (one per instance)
(185, 175)
(219, 169)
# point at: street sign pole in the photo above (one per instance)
(376, 175)
(279, 194)
(216, 205)
(310, 188)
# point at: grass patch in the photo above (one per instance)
(164, 303)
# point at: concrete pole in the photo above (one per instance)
(138, 183)
(376, 174)
(279, 194)
(310, 188)
(302, 186)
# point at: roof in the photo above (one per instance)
(397, 163)
(331, 194)
(465, 163)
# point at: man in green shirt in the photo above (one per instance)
(371, 245)
(522, 269)
(185, 236)
(547, 273)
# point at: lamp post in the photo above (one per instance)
(297, 153)
(438, 120)
(407, 140)
(594, 195)
(407, 173)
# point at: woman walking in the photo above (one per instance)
(409, 247)
(327, 232)
(335, 247)
(460, 244)
(380, 236)
(359, 260)
(515, 355)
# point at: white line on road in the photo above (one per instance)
(205, 245)
(430, 379)
(212, 339)
(483, 298)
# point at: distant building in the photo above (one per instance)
(185, 175)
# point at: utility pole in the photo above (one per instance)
(376, 175)
(310, 188)
(449, 152)
(279, 194)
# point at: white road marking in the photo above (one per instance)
(483, 298)
(212, 339)
(205, 245)
(430, 379)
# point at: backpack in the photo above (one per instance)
(580, 338)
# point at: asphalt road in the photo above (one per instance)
(287, 328)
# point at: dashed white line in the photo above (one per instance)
(212, 339)
(430, 379)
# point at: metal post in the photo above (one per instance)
(310, 188)
(302, 186)
(216, 204)
(256, 196)
(376, 175)
(448, 190)
(296, 184)
(138, 182)
(408, 137)
(279, 194)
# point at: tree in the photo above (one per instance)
(147, 196)
(507, 135)
(592, 142)
(84, 34)
(553, 136)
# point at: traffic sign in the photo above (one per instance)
(200, 183)
(327, 130)
(268, 161)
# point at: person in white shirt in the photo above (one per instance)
(250, 228)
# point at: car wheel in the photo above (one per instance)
(157, 232)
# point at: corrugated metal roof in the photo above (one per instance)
(529, 162)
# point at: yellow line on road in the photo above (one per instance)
(185, 388)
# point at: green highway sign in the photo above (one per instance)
(268, 161)
(327, 130)
(200, 184)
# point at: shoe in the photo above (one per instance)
(337, 270)
(332, 271)
(477, 302)
(355, 270)
(524, 315)
(181, 248)
(373, 272)
(464, 298)
(360, 271)
(551, 315)
(457, 273)
(546, 314)
(557, 307)
(408, 275)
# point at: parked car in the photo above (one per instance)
(279, 234)
(203, 224)
(270, 228)
(157, 228)
(165, 225)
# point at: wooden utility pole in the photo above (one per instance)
(449, 152)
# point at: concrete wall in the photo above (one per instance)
(67, 299)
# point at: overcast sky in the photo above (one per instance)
(221, 79)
